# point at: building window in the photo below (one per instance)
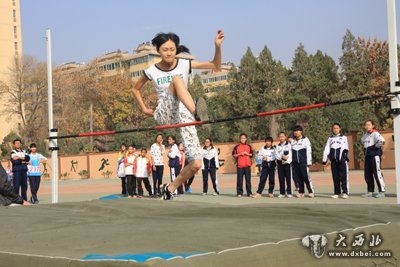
(140, 60)
(15, 32)
(13, 2)
(14, 15)
(136, 74)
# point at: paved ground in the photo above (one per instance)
(89, 189)
(228, 230)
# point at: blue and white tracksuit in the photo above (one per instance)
(268, 157)
(284, 167)
(373, 142)
(337, 150)
(301, 159)
(210, 166)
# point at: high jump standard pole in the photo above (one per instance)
(52, 132)
(394, 87)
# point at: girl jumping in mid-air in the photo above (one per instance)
(175, 104)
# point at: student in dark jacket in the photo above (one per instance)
(7, 194)
(243, 153)
(210, 166)
(20, 162)
(301, 160)
(267, 154)
(373, 141)
(337, 150)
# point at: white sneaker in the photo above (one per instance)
(344, 196)
(204, 194)
(289, 196)
(335, 196)
(281, 196)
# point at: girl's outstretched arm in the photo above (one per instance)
(216, 62)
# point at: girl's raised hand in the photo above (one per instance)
(219, 38)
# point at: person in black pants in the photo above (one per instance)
(157, 151)
(19, 161)
(210, 166)
(121, 168)
(373, 141)
(243, 153)
(301, 160)
(129, 161)
(174, 156)
(284, 158)
(268, 156)
(34, 172)
(337, 150)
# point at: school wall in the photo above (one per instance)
(104, 165)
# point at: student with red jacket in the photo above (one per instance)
(243, 153)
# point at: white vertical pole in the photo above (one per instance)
(394, 76)
(52, 132)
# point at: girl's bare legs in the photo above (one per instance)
(177, 88)
(188, 171)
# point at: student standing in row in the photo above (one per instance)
(129, 171)
(19, 161)
(34, 171)
(121, 168)
(284, 159)
(210, 166)
(373, 141)
(268, 156)
(337, 150)
(174, 156)
(301, 160)
(142, 168)
(243, 153)
(290, 139)
(157, 151)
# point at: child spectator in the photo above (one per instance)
(243, 153)
(129, 171)
(157, 151)
(284, 158)
(121, 168)
(34, 172)
(373, 141)
(268, 156)
(337, 150)
(19, 161)
(210, 166)
(142, 169)
(174, 156)
(301, 160)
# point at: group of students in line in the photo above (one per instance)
(291, 157)
(133, 168)
(25, 167)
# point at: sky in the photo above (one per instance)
(84, 29)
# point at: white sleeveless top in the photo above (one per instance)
(162, 78)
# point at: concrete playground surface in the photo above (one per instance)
(196, 230)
